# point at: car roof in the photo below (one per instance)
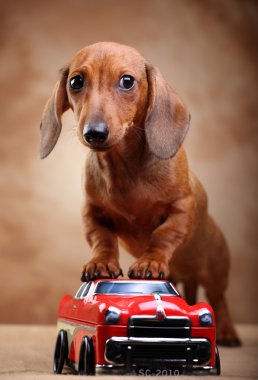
(139, 280)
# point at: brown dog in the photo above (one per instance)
(138, 184)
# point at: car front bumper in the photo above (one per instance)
(158, 352)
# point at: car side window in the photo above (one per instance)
(80, 290)
(86, 290)
(83, 290)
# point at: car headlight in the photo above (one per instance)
(112, 315)
(205, 318)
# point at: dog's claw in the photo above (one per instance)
(130, 273)
(83, 277)
(97, 274)
(161, 275)
(139, 274)
(87, 276)
(148, 274)
(112, 275)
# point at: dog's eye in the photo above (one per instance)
(77, 82)
(126, 82)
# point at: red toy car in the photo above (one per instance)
(142, 325)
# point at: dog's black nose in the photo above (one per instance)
(96, 133)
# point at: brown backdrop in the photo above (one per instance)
(207, 51)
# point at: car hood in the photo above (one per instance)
(143, 305)
(93, 308)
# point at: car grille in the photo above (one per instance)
(148, 353)
(168, 353)
(152, 328)
(160, 352)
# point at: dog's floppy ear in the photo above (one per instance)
(167, 119)
(51, 125)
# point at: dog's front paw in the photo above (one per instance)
(99, 269)
(149, 267)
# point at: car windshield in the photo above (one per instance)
(134, 287)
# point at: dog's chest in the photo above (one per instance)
(133, 203)
(129, 198)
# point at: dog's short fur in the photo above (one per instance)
(138, 184)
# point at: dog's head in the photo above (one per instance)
(112, 89)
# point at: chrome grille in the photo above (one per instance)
(170, 327)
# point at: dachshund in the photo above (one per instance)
(139, 189)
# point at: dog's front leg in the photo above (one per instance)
(104, 244)
(165, 239)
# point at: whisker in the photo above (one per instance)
(138, 128)
(71, 133)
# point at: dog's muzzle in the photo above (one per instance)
(95, 134)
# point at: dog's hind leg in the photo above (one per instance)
(215, 282)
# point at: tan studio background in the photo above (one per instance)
(206, 50)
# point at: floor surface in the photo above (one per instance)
(26, 352)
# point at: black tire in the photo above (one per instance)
(61, 351)
(217, 362)
(86, 357)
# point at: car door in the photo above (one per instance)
(75, 305)
(79, 299)
(80, 327)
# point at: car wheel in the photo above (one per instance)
(61, 351)
(86, 357)
(217, 361)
